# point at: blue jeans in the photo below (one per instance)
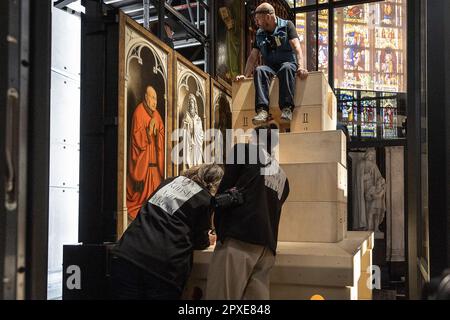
(263, 76)
(129, 282)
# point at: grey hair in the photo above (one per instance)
(192, 96)
(206, 175)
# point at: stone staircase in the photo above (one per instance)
(316, 254)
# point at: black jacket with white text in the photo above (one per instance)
(175, 221)
(256, 221)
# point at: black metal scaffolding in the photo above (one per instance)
(25, 52)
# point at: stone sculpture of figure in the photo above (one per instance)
(374, 191)
(193, 135)
(376, 205)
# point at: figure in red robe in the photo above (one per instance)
(146, 153)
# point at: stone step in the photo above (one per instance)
(313, 147)
(315, 104)
(304, 292)
(317, 182)
(313, 118)
(301, 270)
(304, 119)
(324, 222)
(313, 91)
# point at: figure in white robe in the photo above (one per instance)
(376, 205)
(193, 135)
(370, 186)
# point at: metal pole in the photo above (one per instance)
(10, 95)
(207, 48)
(198, 16)
(331, 46)
(317, 40)
(191, 15)
(205, 14)
(147, 14)
(190, 27)
(161, 17)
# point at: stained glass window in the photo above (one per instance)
(356, 57)
(323, 42)
(349, 111)
(301, 30)
(307, 31)
(371, 114)
(389, 115)
(369, 61)
(370, 46)
(354, 14)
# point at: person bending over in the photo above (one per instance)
(153, 259)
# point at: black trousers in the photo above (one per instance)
(263, 76)
(129, 282)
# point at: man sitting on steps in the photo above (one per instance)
(277, 41)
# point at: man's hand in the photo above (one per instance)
(302, 73)
(239, 78)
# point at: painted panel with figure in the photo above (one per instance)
(221, 112)
(144, 117)
(192, 110)
(229, 39)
